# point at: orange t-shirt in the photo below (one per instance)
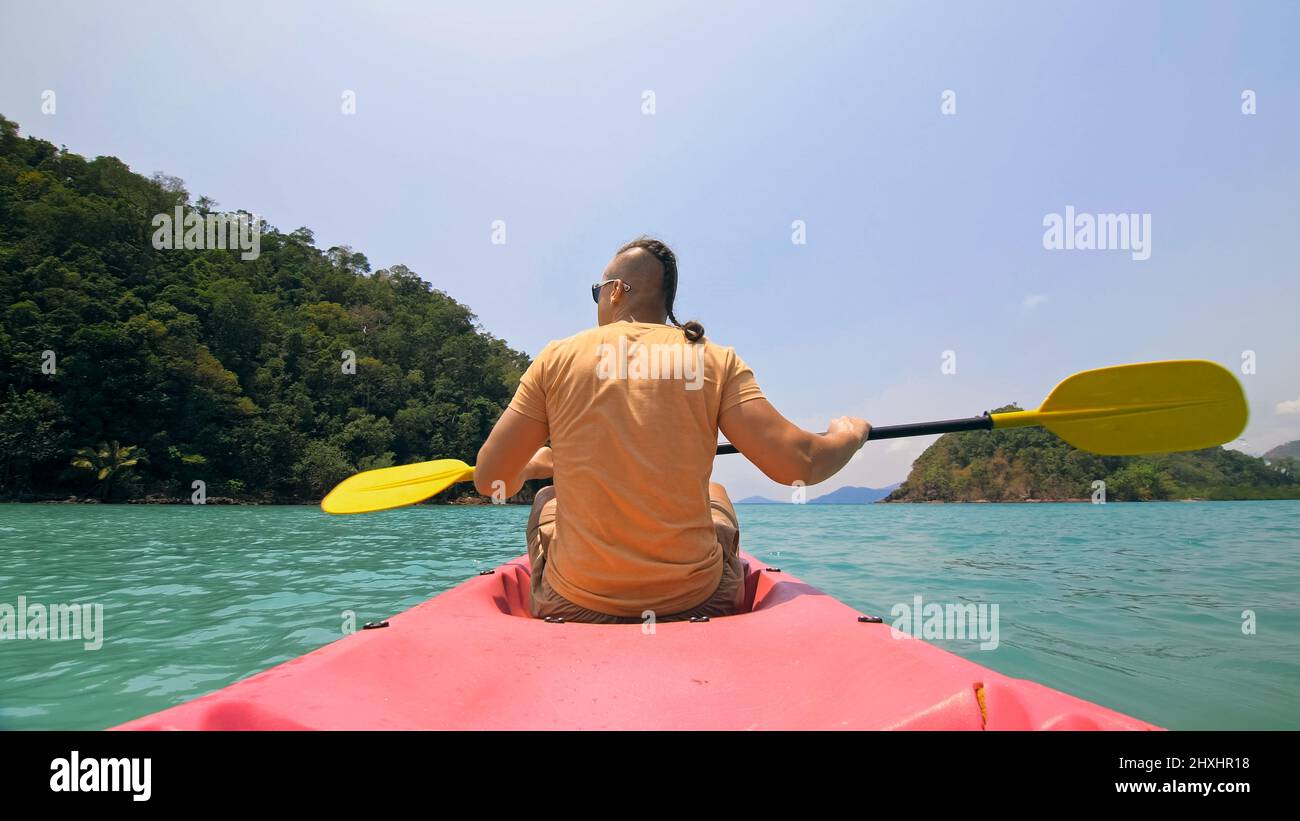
(633, 411)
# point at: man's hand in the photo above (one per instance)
(859, 429)
(541, 466)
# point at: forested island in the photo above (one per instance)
(129, 371)
(1033, 464)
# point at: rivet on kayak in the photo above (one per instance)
(374, 625)
(486, 572)
(870, 619)
(695, 619)
(554, 620)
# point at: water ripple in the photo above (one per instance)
(1138, 607)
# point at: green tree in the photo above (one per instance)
(108, 462)
(321, 467)
(31, 434)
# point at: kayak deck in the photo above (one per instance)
(472, 658)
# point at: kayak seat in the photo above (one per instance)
(763, 588)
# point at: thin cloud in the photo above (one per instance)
(1031, 302)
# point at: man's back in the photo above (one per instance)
(632, 410)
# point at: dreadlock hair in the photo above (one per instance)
(694, 330)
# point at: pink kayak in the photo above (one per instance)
(472, 658)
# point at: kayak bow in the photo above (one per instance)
(472, 658)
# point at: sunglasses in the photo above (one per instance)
(595, 289)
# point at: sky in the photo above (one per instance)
(922, 145)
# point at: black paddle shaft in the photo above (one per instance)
(984, 422)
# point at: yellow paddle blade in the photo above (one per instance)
(387, 488)
(1150, 407)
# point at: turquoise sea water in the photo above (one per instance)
(1135, 606)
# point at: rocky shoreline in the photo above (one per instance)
(1083, 500)
(470, 501)
(521, 498)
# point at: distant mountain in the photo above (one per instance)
(1291, 450)
(854, 495)
(843, 496)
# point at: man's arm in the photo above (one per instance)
(512, 454)
(785, 452)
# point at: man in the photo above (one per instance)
(632, 527)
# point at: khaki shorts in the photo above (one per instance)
(727, 600)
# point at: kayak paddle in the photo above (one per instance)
(385, 488)
(1124, 410)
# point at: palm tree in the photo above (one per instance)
(107, 462)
